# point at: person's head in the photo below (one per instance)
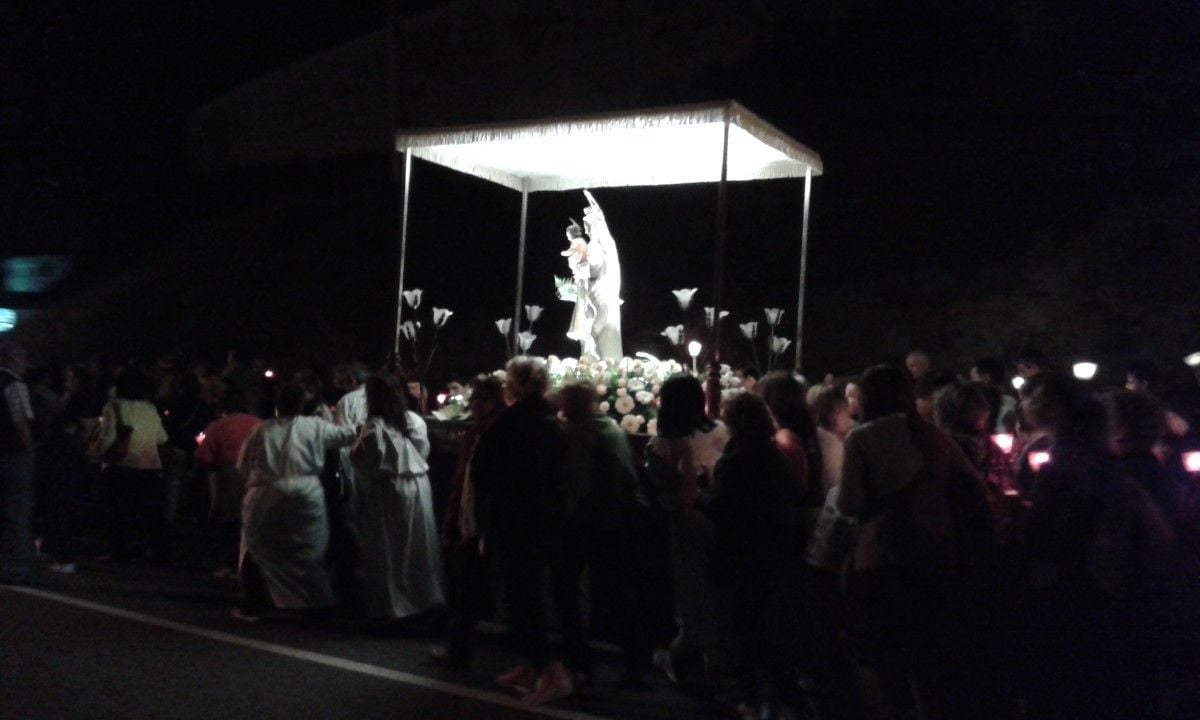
(213, 391)
(918, 364)
(578, 401)
(963, 409)
(886, 390)
(832, 412)
(77, 379)
(853, 394)
(784, 395)
(289, 400)
(134, 384)
(233, 401)
(526, 377)
(925, 389)
(681, 407)
(344, 379)
(1030, 362)
(988, 370)
(487, 398)
(12, 356)
(1141, 376)
(1135, 422)
(1061, 406)
(310, 381)
(748, 418)
(750, 377)
(386, 401)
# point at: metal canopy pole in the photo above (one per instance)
(803, 266)
(516, 323)
(712, 385)
(403, 249)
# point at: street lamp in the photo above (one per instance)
(1084, 370)
(694, 350)
(1192, 360)
(1018, 382)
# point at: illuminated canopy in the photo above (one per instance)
(648, 147)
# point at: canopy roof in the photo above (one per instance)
(663, 146)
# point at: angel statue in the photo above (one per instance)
(595, 285)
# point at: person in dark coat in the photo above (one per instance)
(518, 475)
(750, 507)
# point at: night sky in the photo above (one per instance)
(999, 174)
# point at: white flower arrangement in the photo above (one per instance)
(525, 340)
(412, 298)
(421, 350)
(626, 390)
(533, 312)
(674, 333)
(684, 296)
(749, 330)
(710, 314)
(774, 315)
(632, 423)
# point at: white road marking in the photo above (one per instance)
(448, 688)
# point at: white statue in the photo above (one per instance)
(596, 273)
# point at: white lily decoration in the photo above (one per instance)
(684, 297)
(774, 315)
(409, 330)
(525, 339)
(749, 330)
(413, 298)
(709, 313)
(779, 344)
(674, 333)
(533, 312)
(441, 315)
(504, 326)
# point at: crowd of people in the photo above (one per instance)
(907, 542)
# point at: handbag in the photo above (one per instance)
(119, 448)
(833, 538)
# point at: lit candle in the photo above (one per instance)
(1191, 461)
(200, 439)
(1004, 441)
(1038, 459)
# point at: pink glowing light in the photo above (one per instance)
(200, 439)
(441, 398)
(269, 374)
(1004, 441)
(1038, 459)
(1191, 461)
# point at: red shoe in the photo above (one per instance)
(521, 678)
(554, 684)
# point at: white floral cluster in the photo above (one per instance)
(627, 389)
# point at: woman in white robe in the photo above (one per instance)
(401, 551)
(285, 528)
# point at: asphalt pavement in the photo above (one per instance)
(145, 641)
